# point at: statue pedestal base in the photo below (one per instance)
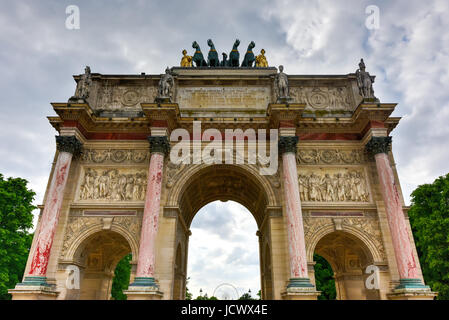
(412, 289)
(144, 288)
(284, 100)
(412, 294)
(300, 294)
(300, 289)
(24, 292)
(76, 100)
(143, 293)
(162, 100)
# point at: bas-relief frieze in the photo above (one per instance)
(333, 185)
(113, 97)
(323, 98)
(115, 156)
(330, 156)
(113, 184)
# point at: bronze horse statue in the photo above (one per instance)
(249, 56)
(212, 57)
(234, 56)
(198, 56)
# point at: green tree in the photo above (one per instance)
(247, 296)
(324, 278)
(188, 293)
(120, 282)
(16, 219)
(429, 219)
(205, 296)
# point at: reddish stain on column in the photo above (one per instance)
(295, 228)
(396, 220)
(145, 265)
(50, 216)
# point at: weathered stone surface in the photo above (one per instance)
(123, 195)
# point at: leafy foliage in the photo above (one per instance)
(247, 296)
(205, 297)
(324, 278)
(16, 218)
(188, 293)
(120, 282)
(429, 218)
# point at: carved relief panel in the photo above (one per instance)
(111, 156)
(112, 184)
(333, 185)
(323, 98)
(114, 97)
(330, 156)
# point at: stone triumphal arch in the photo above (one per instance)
(115, 188)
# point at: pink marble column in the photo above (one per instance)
(146, 260)
(396, 220)
(395, 215)
(67, 146)
(295, 228)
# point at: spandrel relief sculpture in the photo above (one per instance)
(113, 185)
(336, 186)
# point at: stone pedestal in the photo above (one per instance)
(24, 292)
(143, 293)
(412, 295)
(34, 288)
(295, 293)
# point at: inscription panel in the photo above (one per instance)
(219, 97)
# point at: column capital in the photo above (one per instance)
(378, 145)
(68, 144)
(287, 144)
(159, 144)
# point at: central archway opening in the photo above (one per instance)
(223, 256)
(222, 232)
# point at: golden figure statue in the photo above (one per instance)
(261, 60)
(186, 60)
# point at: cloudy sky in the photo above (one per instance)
(409, 54)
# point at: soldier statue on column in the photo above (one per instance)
(166, 83)
(281, 86)
(365, 82)
(83, 88)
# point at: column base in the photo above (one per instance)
(34, 288)
(144, 288)
(300, 289)
(411, 289)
